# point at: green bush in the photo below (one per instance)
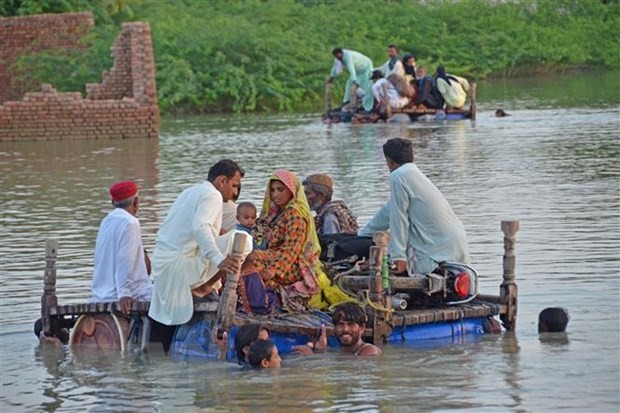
(214, 56)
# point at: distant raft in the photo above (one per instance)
(415, 113)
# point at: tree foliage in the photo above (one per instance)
(256, 55)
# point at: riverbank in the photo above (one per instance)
(271, 57)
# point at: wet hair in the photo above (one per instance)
(351, 312)
(336, 51)
(226, 167)
(552, 320)
(398, 150)
(62, 335)
(260, 350)
(246, 335)
(242, 205)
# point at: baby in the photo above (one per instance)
(246, 215)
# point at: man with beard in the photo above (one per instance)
(349, 325)
(332, 216)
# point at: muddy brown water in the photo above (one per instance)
(553, 164)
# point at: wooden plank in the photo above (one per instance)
(228, 300)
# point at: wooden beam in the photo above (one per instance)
(508, 288)
(49, 299)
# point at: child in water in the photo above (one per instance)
(553, 320)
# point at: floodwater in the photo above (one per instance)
(553, 165)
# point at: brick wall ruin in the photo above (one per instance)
(123, 105)
(19, 35)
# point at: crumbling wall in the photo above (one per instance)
(20, 35)
(123, 105)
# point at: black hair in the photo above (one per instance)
(552, 320)
(336, 51)
(62, 335)
(392, 46)
(245, 205)
(246, 334)
(349, 312)
(398, 150)
(226, 167)
(260, 350)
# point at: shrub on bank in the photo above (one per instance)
(214, 56)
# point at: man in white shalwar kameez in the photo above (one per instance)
(424, 230)
(190, 255)
(120, 272)
(384, 92)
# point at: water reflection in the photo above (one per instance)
(554, 168)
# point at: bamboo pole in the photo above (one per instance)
(508, 289)
(228, 301)
(353, 98)
(472, 101)
(49, 299)
(374, 281)
(328, 97)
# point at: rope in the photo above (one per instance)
(388, 311)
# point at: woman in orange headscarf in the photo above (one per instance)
(290, 261)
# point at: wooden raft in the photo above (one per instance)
(381, 322)
(470, 113)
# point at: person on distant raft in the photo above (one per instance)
(427, 95)
(410, 68)
(453, 88)
(393, 65)
(424, 230)
(359, 68)
(386, 95)
(120, 272)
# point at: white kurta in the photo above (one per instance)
(188, 251)
(398, 68)
(394, 99)
(229, 216)
(420, 217)
(120, 269)
(454, 93)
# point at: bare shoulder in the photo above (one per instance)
(370, 350)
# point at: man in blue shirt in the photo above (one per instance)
(424, 230)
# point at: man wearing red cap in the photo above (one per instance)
(120, 272)
(190, 255)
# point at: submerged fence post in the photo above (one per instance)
(328, 97)
(353, 98)
(508, 289)
(228, 301)
(49, 299)
(472, 100)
